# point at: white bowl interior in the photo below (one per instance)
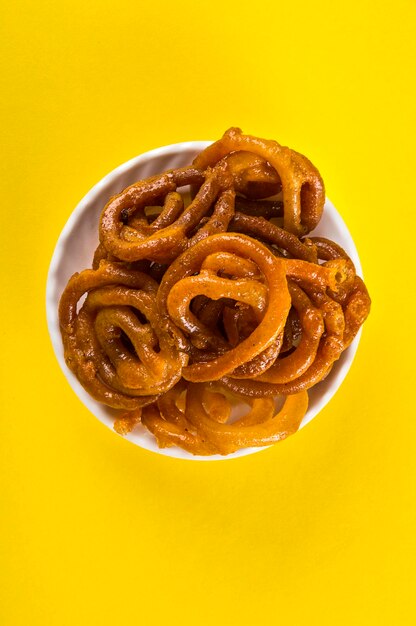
(74, 250)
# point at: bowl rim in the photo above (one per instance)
(337, 376)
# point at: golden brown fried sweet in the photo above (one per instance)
(127, 233)
(302, 185)
(261, 427)
(267, 232)
(252, 175)
(202, 426)
(292, 366)
(193, 307)
(270, 301)
(120, 358)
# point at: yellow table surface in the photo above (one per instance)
(317, 530)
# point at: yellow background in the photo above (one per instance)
(318, 530)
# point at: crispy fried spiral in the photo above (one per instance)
(115, 344)
(193, 307)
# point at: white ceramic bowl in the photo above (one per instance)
(74, 251)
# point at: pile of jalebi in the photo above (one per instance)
(191, 309)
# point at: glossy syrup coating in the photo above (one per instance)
(202, 426)
(273, 315)
(297, 362)
(192, 307)
(302, 186)
(120, 358)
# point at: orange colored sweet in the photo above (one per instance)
(193, 307)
